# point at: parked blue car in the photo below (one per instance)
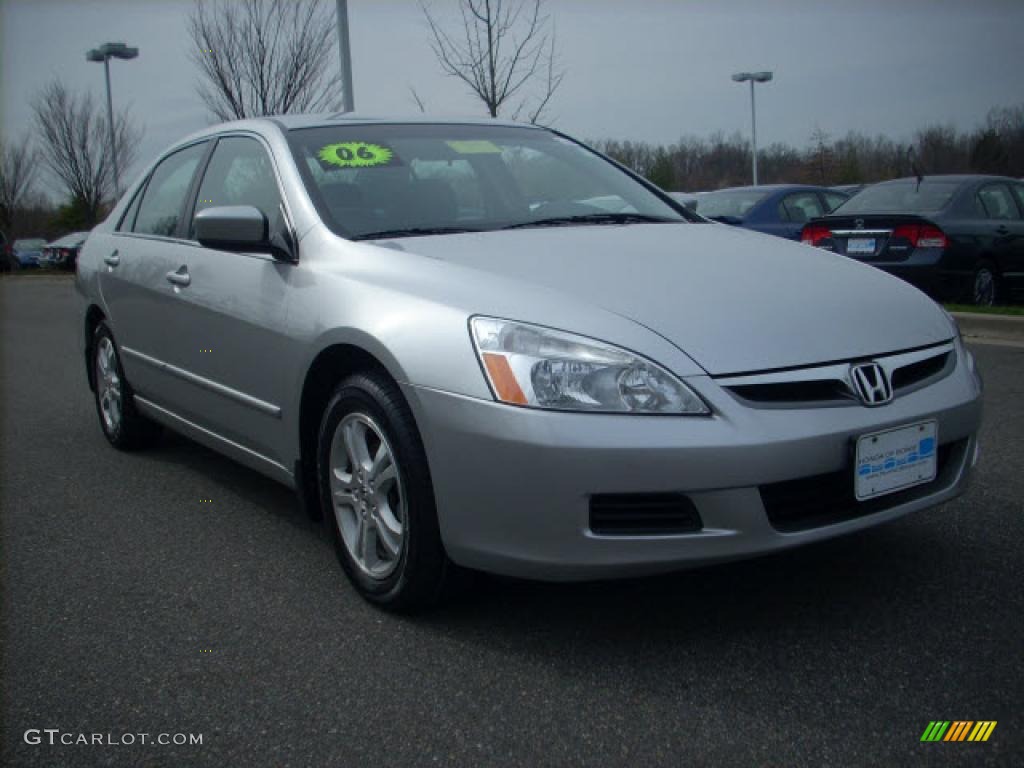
(775, 209)
(26, 252)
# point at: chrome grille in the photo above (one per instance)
(831, 385)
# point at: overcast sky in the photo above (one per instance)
(644, 69)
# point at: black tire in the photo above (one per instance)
(422, 571)
(985, 288)
(132, 431)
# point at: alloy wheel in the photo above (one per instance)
(367, 497)
(984, 287)
(108, 385)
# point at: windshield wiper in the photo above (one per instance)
(595, 218)
(413, 232)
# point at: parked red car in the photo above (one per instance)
(63, 252)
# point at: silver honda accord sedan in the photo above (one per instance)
(477, 345)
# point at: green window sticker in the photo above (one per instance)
(478, 147)
(356, 154)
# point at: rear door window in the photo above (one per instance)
(164, 199)
(801, 207)
(1018, 192)
(833, 200)
(997, 202)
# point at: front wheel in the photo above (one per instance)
(377, 496)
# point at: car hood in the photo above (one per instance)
(733, 300)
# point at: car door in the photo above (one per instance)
(136, 279)
(795, 210)
(1014, 273)
(1006, 230)
(231, 319)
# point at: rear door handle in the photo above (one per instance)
(1002, 229)
(180, 276)
(112, 260)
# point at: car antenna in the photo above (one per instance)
(914, 169)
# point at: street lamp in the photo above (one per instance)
(345, 58)
(753, 77)
(105, 53)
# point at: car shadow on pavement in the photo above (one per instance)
(248, 484)
(865, 584)
(862, 584)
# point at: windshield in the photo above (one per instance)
(729, 203)
(405, 180)
(31, 244)
(901, 197)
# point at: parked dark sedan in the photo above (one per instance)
(775, 209)
(954, 237)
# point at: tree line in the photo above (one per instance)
(996, 146)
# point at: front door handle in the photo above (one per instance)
(179, 277)
(112, 260)
(1002, 229)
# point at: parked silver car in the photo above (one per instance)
(427, 330)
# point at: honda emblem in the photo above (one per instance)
(871, 384)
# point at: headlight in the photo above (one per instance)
(539, 367)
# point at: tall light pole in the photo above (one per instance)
(105, 53)
(348, 103)
(753, 77)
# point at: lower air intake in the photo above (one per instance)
(643, 514)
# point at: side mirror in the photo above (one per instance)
(240, 228)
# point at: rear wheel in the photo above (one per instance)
(377, 496)
(985, 289)
(122, 425)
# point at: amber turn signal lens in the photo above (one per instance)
(504, 381)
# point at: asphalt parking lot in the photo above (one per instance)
(178, 592)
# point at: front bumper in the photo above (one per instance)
(513, 485)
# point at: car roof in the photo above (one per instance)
(768, 188)
(291, 122)
(954, 177)
(295, 122)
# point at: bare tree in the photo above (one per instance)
(821, 157)
(504, 47)
(265, 57)
(75, 147)
(417, 99)
(17, 176)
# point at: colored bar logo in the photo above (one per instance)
(959, 730)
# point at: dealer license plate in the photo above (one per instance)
(896, 459)
(860, 245)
